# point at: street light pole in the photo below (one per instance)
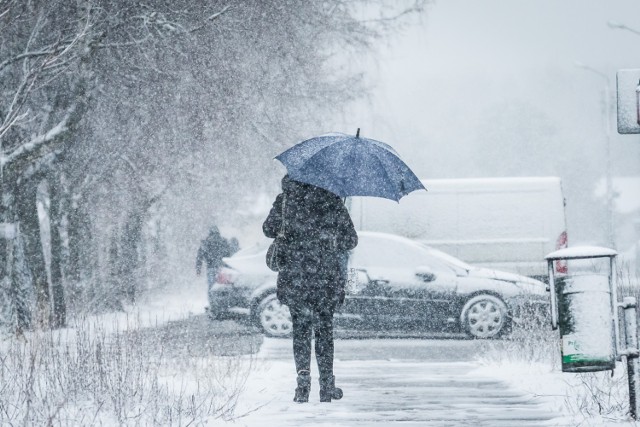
(611, 241)
(618, 26)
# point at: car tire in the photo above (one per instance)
(484, 317)
(273, 318)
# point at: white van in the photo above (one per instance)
(502, 223)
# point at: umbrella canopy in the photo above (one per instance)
(349, 165)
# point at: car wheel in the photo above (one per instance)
(273, 317)
(484, 316)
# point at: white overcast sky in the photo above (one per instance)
(435, 82)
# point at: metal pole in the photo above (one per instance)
(613, 283)
(609, 179)
(554, 302)
(631, 353)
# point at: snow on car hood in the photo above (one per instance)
(523, 282)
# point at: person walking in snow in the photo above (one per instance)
(318, 232)
(211, 251)
(234, 245)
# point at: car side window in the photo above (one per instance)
(385, 253)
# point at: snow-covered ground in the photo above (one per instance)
(432, 382)
(578, 399)
(388, 382)
(208, 373)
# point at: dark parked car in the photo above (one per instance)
(395, 283)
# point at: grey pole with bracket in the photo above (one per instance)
(631, 354)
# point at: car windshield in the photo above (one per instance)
(452, 261)
(380, 252)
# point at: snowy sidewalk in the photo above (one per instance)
(387, 382)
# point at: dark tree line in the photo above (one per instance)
(112, 110)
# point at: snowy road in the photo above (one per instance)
(387, 382)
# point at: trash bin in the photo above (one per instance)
(582, 309)
(585, 323)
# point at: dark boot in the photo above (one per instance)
(304, 386)
(328, 389)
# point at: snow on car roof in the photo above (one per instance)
(388, 236)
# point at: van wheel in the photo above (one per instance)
(484, 317)
(273, 317)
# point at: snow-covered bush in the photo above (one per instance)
(90, 376)
(531, 342)
(599, 394)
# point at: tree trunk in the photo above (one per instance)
(79, 268)
(21, 290)
(30, 231)
(81, 263)
(130, 255)
(59, 315)
(14, 272)
(114, 291)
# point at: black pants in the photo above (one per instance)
(307, 317)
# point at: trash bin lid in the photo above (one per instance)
(577, 252)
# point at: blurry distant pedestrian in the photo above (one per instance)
(318, 232)
(211, 251)
(234, 245)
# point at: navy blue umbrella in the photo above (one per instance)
(349, 165)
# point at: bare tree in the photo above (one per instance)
(125, 106)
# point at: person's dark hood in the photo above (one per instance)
(290, 186)
(296, 188)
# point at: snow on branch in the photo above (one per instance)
(39, 141)
(40, 164)
(123, 44)
(25, 55)
(210, 18)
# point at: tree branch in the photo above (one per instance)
(41, 140)
(39, 165)
(209, 19)
(34, 54)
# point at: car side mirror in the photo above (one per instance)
(425, 274)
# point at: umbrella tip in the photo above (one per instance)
(358, 133)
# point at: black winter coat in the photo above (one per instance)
(318, 232)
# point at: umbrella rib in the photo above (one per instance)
(401, 172)
(381, 165)
(317, 153)
(289, 152)
(384, 170)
